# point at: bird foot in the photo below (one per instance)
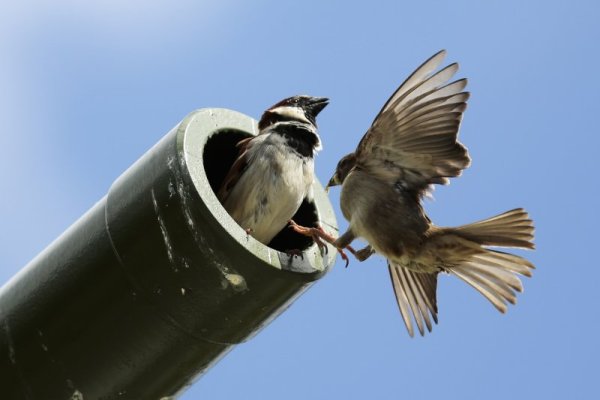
(362, 254)
(319, 236)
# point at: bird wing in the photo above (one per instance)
(416, 296)
(237, 169)
(413, 139)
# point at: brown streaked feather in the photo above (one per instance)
(513, 228)
(416, 296)
(417, 76)
(494, 276)
(430, 88)
(236, 170)
(492, 273)
(424, 112)
(413, 139)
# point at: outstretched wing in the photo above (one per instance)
(416, 296)
(413, 139)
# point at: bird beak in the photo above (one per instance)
(334, 181)
(317, 104)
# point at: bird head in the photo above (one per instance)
(297, 108)
(342, 170)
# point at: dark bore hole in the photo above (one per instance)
(220, 153)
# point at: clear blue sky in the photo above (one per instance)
(87, 87)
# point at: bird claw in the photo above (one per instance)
(344, 257)
(362, 254)
(319, 236)
(295, 252)
(310, 232)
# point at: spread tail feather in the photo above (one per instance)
(463, 252)
(493, 273)
(513, 228)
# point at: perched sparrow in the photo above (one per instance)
(274, 170)
(411, 145)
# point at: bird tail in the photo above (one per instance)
(510, 229)
(495, 273)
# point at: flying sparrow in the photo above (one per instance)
(274, 171)
(411, 145)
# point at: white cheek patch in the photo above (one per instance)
(293, 113)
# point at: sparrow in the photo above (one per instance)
(411, 145)
(274, 170)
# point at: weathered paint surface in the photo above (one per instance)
(155, 274)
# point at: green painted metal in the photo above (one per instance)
(155, 282)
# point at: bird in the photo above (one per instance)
(274, 170)
(411, 145)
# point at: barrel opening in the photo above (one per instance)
(220, 152)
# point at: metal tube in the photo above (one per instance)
(155, 282)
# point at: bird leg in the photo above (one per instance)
(319, 235)
(363, 254)
(344, 242)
